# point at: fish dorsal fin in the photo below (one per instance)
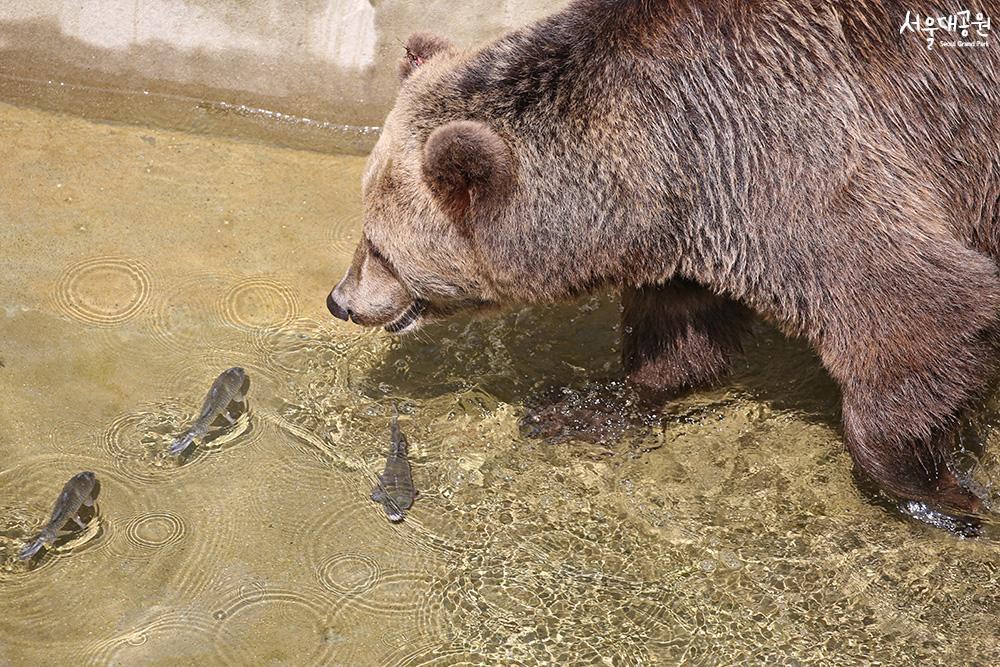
(394, 427)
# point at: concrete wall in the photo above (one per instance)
(310, 72)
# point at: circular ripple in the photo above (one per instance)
(153, 532)
(186, 317)
(176, 551)
(104, 291)
(349, 574)
(433, 654)
(344, 234)
(138, 442)
(257, 303)
(183, 634)
(369, 579)
(259, 615)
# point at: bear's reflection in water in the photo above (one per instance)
(561, 365)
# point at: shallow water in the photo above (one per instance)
(138, 264)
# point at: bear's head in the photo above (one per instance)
(506, 175)
(423, 186)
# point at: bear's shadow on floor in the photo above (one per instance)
(519, 355)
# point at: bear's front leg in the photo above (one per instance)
(678, 336)
(908, 458)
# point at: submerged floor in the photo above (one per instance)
(138, 264)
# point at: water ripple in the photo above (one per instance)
(259, 613)
(431, 653)
(181, 636)
(259, 302)
(186, 318)
(305, 347)
(137, 444)
(349, 574)
(344, 232)
(153, 532)
(104, 291)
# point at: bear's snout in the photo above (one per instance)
(369, 295)
(336, 309)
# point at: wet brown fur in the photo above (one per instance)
(803, 161)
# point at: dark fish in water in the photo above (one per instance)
(227, 388)
(395, 485)
(78, 491)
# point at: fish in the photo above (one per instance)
(77, 492)
(226, 389)
(394, 489)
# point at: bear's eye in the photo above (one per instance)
(379, 257)
(375, 251)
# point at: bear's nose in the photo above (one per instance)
(336, 309)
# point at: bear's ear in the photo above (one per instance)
(420, 47)
(466, 163)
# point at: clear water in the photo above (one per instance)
(138, 264)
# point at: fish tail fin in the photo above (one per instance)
(392, 510)
(33, 547)
(182, 443)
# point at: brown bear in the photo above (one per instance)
(817, 163)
